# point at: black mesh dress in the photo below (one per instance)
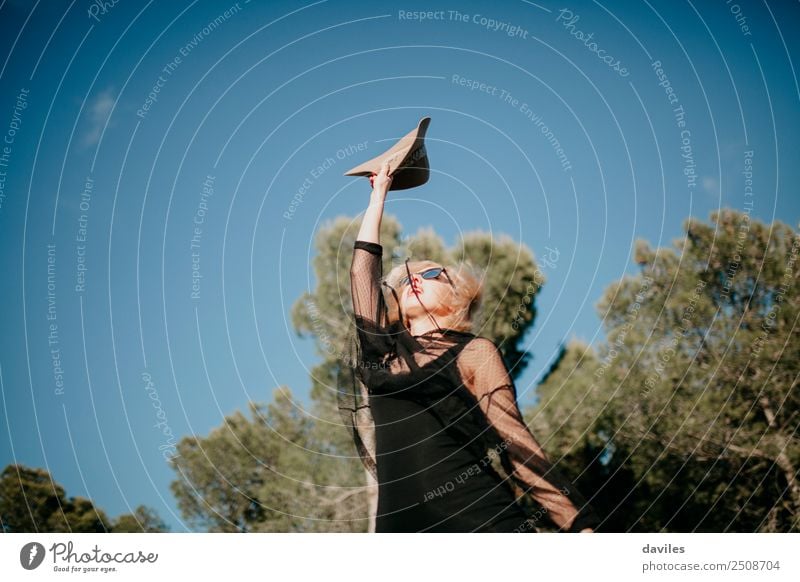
(435, 420)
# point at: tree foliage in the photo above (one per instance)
(31, 502)
(288, 469)
(142, 520)
(683, 419)
(268, 472)
(693, 396)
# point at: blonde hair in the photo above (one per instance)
(466, 297)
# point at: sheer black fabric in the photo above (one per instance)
(436, 421)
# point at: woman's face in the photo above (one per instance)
(434, 294)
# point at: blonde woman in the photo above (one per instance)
(451, 452)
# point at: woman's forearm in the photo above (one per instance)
(370, 230)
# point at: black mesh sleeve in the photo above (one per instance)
(486, 376)
(369, 305)
(368, 345)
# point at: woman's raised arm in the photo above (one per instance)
(370, 230)
(369, 307)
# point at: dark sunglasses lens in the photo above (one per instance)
(429, 274)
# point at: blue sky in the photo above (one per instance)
(213, 115)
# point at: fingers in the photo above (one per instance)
(381, 180)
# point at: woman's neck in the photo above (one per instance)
(422, 325)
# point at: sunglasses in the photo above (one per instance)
(432, 273)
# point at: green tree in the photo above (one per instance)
(694, 392)
(265, 473)
(511, 282)
(142, 520)
(32, 502)
(568, 421)
(283, 469)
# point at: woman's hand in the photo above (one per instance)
(587, 530)
(381, 181)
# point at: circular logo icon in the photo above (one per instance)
(31, 555)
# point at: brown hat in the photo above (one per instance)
(408, 160)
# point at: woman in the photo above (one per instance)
(451, 450)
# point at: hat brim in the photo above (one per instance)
(408, 160)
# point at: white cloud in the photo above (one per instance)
(97, 112)
(710, 185)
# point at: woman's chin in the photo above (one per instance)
(416, 311)
(413, 311)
